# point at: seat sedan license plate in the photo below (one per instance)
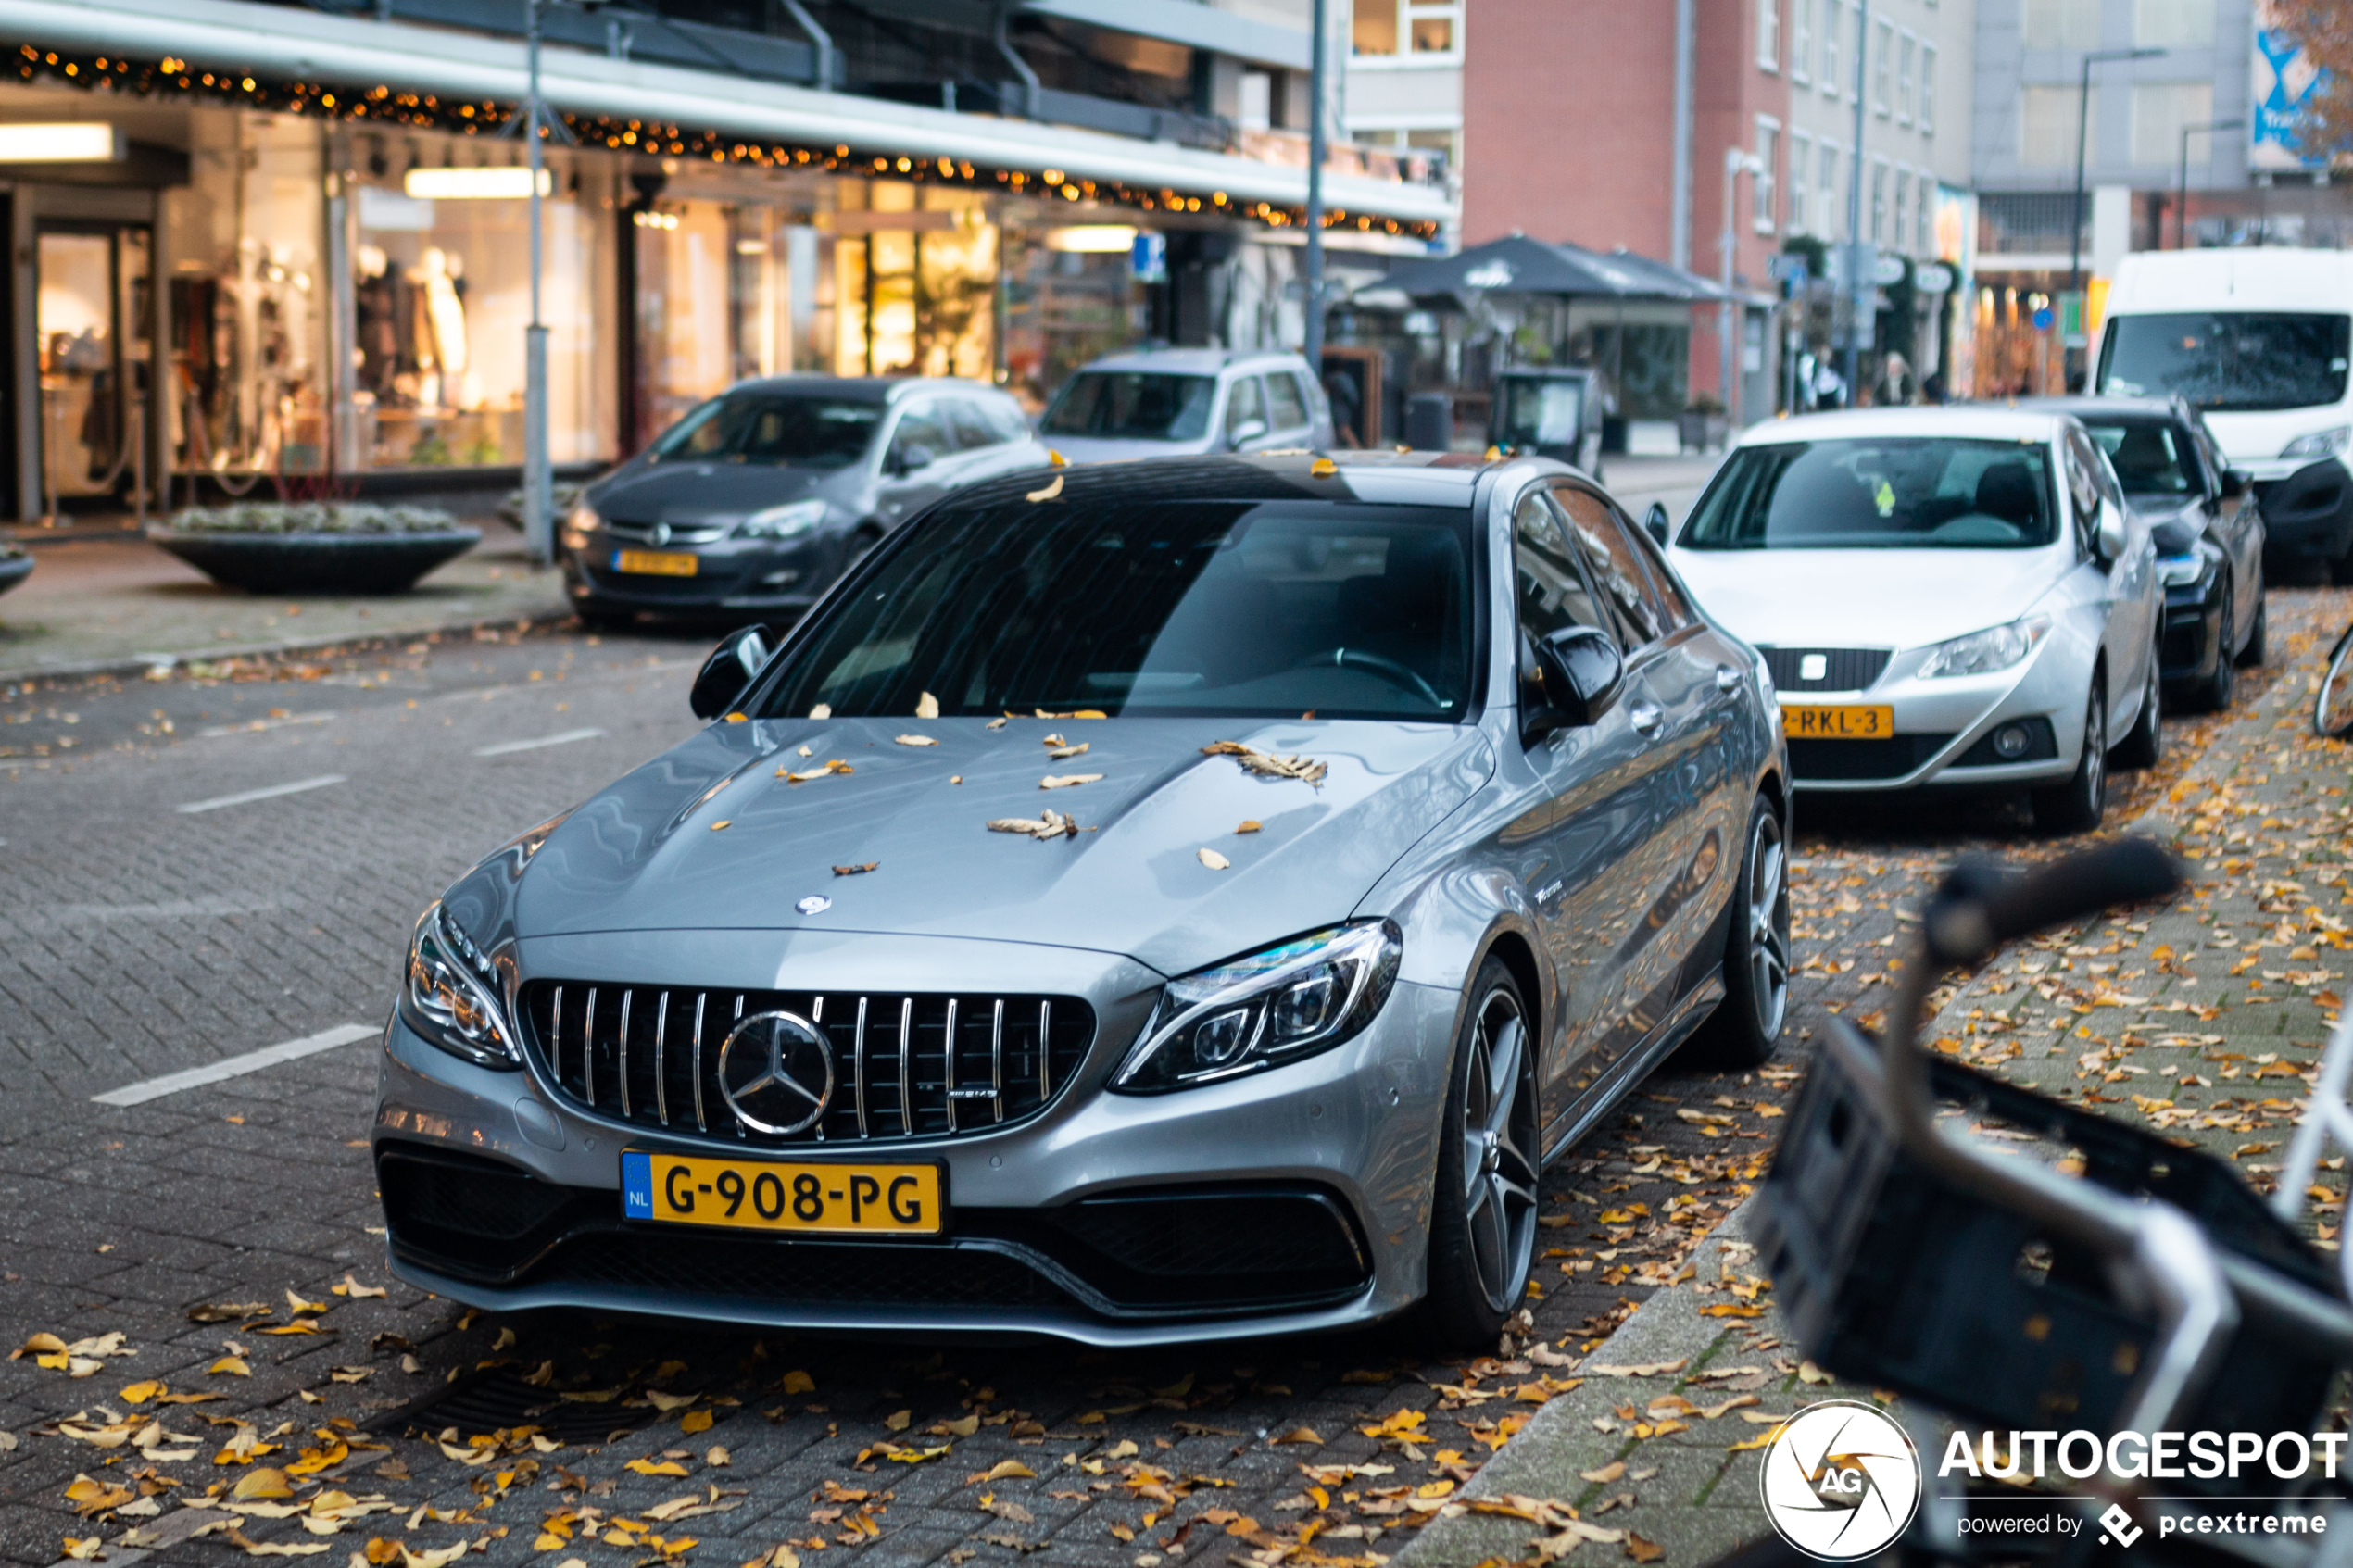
(1828, 721)
(803, 1197)
(657, 563)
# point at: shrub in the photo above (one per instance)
(312, 517)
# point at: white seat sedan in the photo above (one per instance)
(1944, 597)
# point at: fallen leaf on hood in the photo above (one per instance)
(1053, 489)
(1305, 770)
(1065, 781)
(1054, 741)
(356, 1290)
(916, 740)
(806, 752)
(856, 870)
(926, 707)
(1323, 468)
(1048, 824)
(723, 823)
(955, 778)
(823, 711)
(1064, 753)
(1212, 859)
(836, 766)
(1249, 824)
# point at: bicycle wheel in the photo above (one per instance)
(2333, 709)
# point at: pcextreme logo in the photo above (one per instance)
(1840, 1480)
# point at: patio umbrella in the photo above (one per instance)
(1516, 264)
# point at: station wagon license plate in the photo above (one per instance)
(803, 1197)
(1827, 721)
(657, 563)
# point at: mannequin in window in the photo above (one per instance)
(441, 327)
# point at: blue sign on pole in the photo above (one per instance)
(2044, 318)
(1148, 258)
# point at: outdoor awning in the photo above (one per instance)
(1516, 264)
(287, 42)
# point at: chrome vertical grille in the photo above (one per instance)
(904, 1066)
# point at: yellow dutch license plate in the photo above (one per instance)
(657, 563)
(1824, 722)
(764, 1194)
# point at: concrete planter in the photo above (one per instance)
(15, 566)
(317, 563)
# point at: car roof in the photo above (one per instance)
(1383, 477)
(861, 389)
(1198, 362)
(1957, 423)
(2087, 408)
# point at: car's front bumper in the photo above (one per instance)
(2194, 635)
(730, 574)
(2308, 511)
(1944, 728)
(1330, 1160)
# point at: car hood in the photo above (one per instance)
(1865, 599)
(648, 855)
(691, 492)
(1093, 449)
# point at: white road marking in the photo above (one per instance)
(321, 782)
(255, 726)
(236, 1066)
(504, 747)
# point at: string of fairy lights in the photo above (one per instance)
(170, 78)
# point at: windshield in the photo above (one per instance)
(1878, 494)
(1132, 406)
(2150, 457)
(764, 427)
(1540, 413)
(2227, 359)
(1227, 607)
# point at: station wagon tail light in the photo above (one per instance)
(1982, 653)
(1273, 1006)
(450, 994)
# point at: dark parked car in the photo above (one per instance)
(2208, 530)
(757, 500)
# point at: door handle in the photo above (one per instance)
(1644, 716)
(1727, 677)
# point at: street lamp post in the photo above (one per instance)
(2082, 126)
(538, 497)
(2182, 193)
(1313, 343)
(1736, 163)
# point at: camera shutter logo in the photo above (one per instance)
(1840, 1480)
(777, 1072)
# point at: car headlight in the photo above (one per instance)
(1980, 653)
(450, 994)
(2192, 565)
(582, 521)
(1277, 1004)
(2319, 442)
(782, 522)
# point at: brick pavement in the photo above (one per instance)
(124, 1220)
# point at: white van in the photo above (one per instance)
(2260, 341)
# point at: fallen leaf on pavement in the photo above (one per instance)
(856, 870)
(1647, 1369)
(1301, 1434)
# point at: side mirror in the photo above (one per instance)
(1249, 430)
(1580, 671)
(1655, 522)
(728, 670)
(2109, 539)
(2236, 482)
(912, 457)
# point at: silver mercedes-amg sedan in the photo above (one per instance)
(1168, 900)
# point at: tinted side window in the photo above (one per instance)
(1553, 592)
(1672, 601)
(1282, 396)
(1244, 403)
(1004, 417)
(921, 425)
(2082, 490)
(1615, 563)
(970, 422)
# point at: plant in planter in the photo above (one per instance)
(16, 565)
(315, 547)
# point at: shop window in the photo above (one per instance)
(1379, 27)
(916, 286)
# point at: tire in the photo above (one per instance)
(1746, 1025)
(2078, 805)
(2213, 694)
(1482, 1235)
(2143, 745)
(2251, 656)
(2341, 570)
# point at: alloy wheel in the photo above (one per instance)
(1499, 1142)
(1767, 925)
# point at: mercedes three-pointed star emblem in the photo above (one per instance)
(776, 1071)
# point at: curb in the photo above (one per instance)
(140, 664)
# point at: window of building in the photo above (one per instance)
(1903, 206)
(2061, 24)
(1768, 152)
(1928, 89)
(1882, 68)
(1801, 157)
(1924, 218)
(1768, 34)
(2047, 122)
(1878, 202)
(1801, 40)
(2159, 111)
(1830, 47)
(1906, 61)
(2173, 24)
(1412, 27)
(1825, 189)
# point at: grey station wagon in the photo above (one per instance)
(1166, 900)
